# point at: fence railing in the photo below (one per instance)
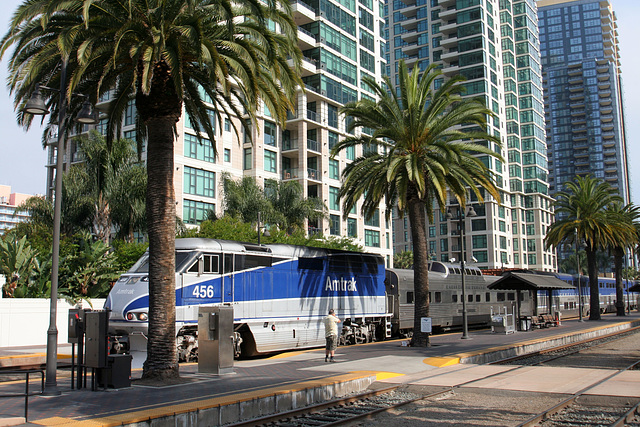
(26, 393)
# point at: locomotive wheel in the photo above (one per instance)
(248, 347)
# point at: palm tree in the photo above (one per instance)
(582, 209)
(203, 55)
(244, 199)
(425, 153)
(625, 226)
(290, 208)
(116, 183)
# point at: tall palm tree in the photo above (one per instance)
(582, 209)
(165, 55)
(425, 154)
(244, 199)
(625, 226)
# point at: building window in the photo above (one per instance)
(352, 227)
(270, 134)
(200, 150)
(247, 160)
(374, 221)
(195, 212)
(227, 125)
(372, 238)
(481, 256)
(270, 161)
(334, 198)
(351, 153)
(227, 155)
(334, 226)
(334, 169)
(199, 182)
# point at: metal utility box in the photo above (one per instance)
(117, 374)
(74, 326)
(96, 347)
(215, 340)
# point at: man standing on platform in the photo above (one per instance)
(331, 335)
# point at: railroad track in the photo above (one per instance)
(543, 356)
(574, 412)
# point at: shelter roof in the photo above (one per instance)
(529, 281)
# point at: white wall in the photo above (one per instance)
(24, 321)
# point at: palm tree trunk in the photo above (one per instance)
(594, 290)
(159, 111)
(420, 268)
(618, 253)
(162, 361)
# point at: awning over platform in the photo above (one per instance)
(529, 282)
(635, 288)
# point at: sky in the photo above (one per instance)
(22, 158)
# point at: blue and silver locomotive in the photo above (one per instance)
(279, 294)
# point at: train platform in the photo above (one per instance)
(296, 379)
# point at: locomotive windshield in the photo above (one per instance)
(142, 265)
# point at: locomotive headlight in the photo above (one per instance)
(143, 316)
(130, 316)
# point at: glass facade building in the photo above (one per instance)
(583, 97)
(495, 46)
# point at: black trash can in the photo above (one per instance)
(117, 374)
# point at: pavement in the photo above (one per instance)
(268, 385)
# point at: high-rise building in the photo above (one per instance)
(342, 41)
(494, 45)
(583, 96)
(10, 216)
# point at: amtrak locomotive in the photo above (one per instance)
(279, 294)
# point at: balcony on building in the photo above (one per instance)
(605, 101)
(409, 24)
(608, 135)
(578, 120)
(290, 173)
(580, 140)
(575, 96)
(313, 145)
(306, 39)
(606, 109)
(606, 118)
(303, 13)
(409, 37)
(447, 3)
(450, 27)
(578, 112)
(410, 49)
(411, 11)
(610, 160)
(579, 129)
(289, 144)
(451, 54)
(448, 13)
(606, 127)
(314, 174)
(604, 84)
(452, 40)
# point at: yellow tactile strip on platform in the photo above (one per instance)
(170, 410)
(440, 362)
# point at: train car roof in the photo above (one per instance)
(445, 268)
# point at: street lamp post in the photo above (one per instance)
(579, 278)
(36, 106)
(260, 227)
(471, 213)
